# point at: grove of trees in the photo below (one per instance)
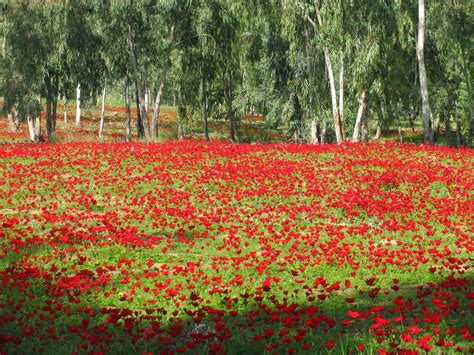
(322, 70)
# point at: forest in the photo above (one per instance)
(318, 71)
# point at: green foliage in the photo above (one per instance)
(241, 58)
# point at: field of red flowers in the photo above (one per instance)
(193, 247)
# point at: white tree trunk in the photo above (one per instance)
(159, 94)
(65, 109)
(324, 129)
(314, 131)
(147, 98)
(365, 129)
(400, 131)
(140, 85)
(332, 85)
(378, 132)
(102, 112)
(360, 114)
(341, 95)
(425, 104)
(156, 109)
(128, 114)
(78, 106)
(31, 128)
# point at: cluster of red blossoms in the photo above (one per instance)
(212, 247)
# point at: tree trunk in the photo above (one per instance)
(230, 114)
(435, 129)
(365, 128)
(378, 131)
(147, 95)
(51, 106)
(314, 131)
(324, 131)
(55, 109)
(335, 111)
(332, 85)
(48, 119)
(78, 106)
(181, 115)
(156, 109)
(140, 129)
(467, 77)
(341, 95)
(13, 121)
(141, 91)
(427, 125)
(356, 135)
(31, 128)
(400, 132)
(38, 123)
(459, 136)
(204, 109)
(447, 127)
(65, 108)
(143, 113)
(102, 112)
(128, 114)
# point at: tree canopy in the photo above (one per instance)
(321, 70)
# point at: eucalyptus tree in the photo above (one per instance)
(266, 73)
(83, 64)
(21, 64)
(453, 35)
(206, 22)
(307, 70)
(327, 18)
(420, 48)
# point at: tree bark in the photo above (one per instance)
(31, 128)
(341, 95)
(65, 108)
(447, 127)
(156, 108)
(335, 111)
(181, 115)
(102, 112)
(324, 130)
(128, 114)
(427, 124)
(356, 135)
(378, 131)
(459, 136)
(140, 129)
(436, 128)
(49, 129)
(365, 129)
(147, 95)
(13, 121)
(467, 77)
(204, 109)
(332, 85)
(141, 90)
(230, 114)
(314, 131)
(78, 106)
(51, 105)
(400, 132)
